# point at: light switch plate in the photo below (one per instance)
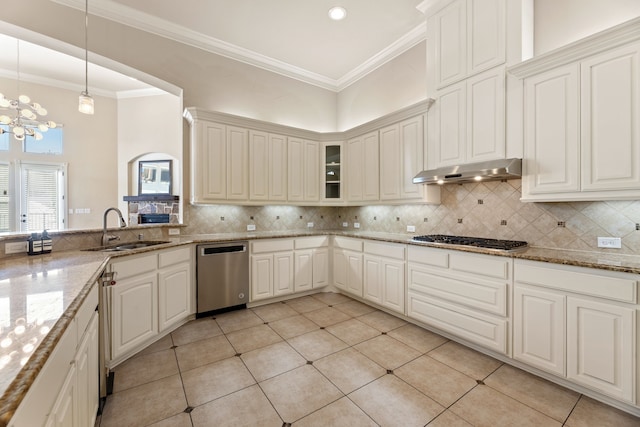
(356, 225)
(411, 228)
(251, 227)
(309, 225)
(174, 231)
(345, 224)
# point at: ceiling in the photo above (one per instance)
(291, 37)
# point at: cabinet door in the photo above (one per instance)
(450, 31)
(551, 132)
(390, 163)
(258, 165)
(539, 329)
(485, 116)
(610, 109)
(371, 171)
(373, 279)
(450, 111)
(411, 156)
(237, 164)
(209, 162)
(340, 269)
(282, 273)
(601, 347)
(486, 33)
(320, 268)
(311, 171)
(277, 167)
(261, 276)
(393, 285)
(355, 169)
(88, 374)
(135, 312)
(64, 411)
(303, 276)
(174, 295)
(354, 273)
(303, 174)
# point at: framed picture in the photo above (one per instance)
(154, 177)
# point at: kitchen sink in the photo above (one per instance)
(127, 246)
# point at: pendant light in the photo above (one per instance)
(85, 101)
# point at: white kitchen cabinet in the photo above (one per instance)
(469, 121)
(363, 168)
(601, 346)
(237, 163)
(348, 265)
(401, 158)
(175, 288)
(65, 392)
(469, 37)
(539, 337)
(461, 293)
(303, 170)
(332, 172)
(384, 268)
(267, 166)
(581, 318)
(581, 103)
(311, 264)
(272, 268)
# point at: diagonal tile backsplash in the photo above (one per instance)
(489, 209)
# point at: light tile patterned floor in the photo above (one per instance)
(327, 360)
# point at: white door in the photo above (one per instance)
(261, 276)
(209, 162)
(354, 273)
(237, 164)
(340, 269)
(174, 294)
(393, 285)
(42, 196)
(282, 273)
(320, 267)
(448, 148)
(277, 167)
(411, 156)
(486, 44)
(485, 116)
(373, 279)
(450, 28)
(303, 276)
(390, 163)
(258, 165)
(355, 169)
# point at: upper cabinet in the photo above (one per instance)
(581, 112)
(303, 170)
(469, 37)
(268, 166)
(363, 167)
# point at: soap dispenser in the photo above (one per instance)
(47, 243)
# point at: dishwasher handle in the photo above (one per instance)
(217, 250)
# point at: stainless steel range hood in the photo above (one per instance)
(484, 171)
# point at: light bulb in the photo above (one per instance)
(4, 102)
(18, 131)
(5, 120)
(337, 13)
(24, 99)
(43, 127)
(38, 136)
(51, 124)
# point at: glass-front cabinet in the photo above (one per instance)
(332, 172)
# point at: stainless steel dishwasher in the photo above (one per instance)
(222, 274)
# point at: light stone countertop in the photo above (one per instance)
(40, 295)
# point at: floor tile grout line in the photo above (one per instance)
(573, 408)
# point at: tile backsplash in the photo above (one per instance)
(489, 209)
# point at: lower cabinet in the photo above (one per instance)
(461, 293)
(384, 266)
(65, 392)
(284, 266)
(347, 265)
(577, 323)
(152, 293)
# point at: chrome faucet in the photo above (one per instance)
(106, 238)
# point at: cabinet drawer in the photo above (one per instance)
(387, 250)
(429, 256)
(272, 245)
(587, 281)
(347, 243)
(312, 242)
(485, 265)
(486, 295)
(482, 329)
(174, 256)
(132, 266)
(86, 310)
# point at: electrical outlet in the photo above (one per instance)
(309, 225)
(411, 228)
(251, 227)
(610, 242)
(16, 247)
(356, 225)
(345, 224)
(174, 231)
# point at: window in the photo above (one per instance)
(4, 138)
(51, 143)
(42, 196)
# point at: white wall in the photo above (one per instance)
(392, 86)
(89, 146)
(560, 22)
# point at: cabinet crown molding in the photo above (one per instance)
(192, 114)
(608, 39)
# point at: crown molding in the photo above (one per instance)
(117, 12)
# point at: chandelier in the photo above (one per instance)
(23, 116)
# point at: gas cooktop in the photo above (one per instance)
(478, 242)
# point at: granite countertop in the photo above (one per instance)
(43, 293)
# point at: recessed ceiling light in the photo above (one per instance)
(337, 13)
